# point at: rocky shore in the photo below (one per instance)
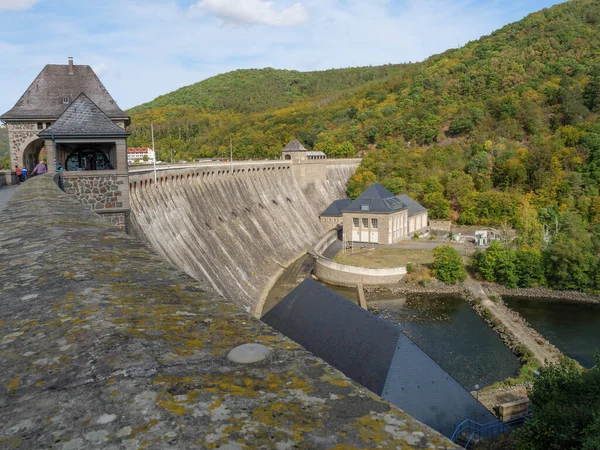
(433, 288)
(540, 292)
(491, 289)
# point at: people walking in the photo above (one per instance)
(19, 173)
(39, 169)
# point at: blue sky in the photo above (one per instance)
(145, 48)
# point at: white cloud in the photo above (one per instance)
(100, 69)
(136, 66)
(7, 5)
(254, 12)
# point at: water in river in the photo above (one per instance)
(573, 327)
(453, 335)
(445, 327)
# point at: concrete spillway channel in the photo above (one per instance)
(236, 227)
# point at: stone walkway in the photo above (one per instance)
(105, 345)
(6, 192)
(514, 324)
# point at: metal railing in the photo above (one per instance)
(470, 430)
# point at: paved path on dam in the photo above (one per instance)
(105, 345)
(514, 324)
(6, 193)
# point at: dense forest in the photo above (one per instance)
(503, 131)
(4, 160)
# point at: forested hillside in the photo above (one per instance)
(4, 148)
(503, 130)
(257, 90)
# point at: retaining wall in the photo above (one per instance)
(345, 275)
(233, 225)
(7, 177)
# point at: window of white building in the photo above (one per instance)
(373, 223)
(355, 222)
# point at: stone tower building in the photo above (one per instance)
(68, 119)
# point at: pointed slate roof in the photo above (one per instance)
(376, 354)
(44, 97)
(294, 146)
(376, 199)
(413, 206)
(336, 208)
(83, 118)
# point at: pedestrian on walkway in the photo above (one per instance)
(24, 173)
(19, 174)
(39, 169)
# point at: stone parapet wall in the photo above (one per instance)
(109, 346)
(7, 177)
(118, 219)
(98, 192)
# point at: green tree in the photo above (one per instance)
(438, 206)
(591, 93)
(460, 125)
(394, 185)
(573, 108)
(433, 185)
(448, 265)
(358, 182)
(568, 259)
(529, 268)
(345, 150)
(459, 186)
(565, 401)
(497, 264)
(529, 228)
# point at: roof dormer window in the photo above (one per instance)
(364, 207)
(66, 99)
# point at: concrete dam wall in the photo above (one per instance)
(235, 227)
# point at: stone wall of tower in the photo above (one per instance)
(20, 135)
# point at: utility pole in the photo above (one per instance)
(230, 154)
(153, 151)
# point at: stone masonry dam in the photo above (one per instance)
(104, 345)
(238, 226)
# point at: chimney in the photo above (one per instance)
(70, 65)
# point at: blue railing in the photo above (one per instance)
(474, 429)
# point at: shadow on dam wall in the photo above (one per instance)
(238, 229)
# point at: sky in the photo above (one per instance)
(144, 48)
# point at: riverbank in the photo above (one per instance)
(539, 293)
(491, 289)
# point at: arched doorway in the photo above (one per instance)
(288, 157)
(31, 154)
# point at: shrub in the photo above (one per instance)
(448, 265)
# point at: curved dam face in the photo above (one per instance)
(235, 228)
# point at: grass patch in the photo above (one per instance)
(379, 258)
(420, 275)
(530, 364)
